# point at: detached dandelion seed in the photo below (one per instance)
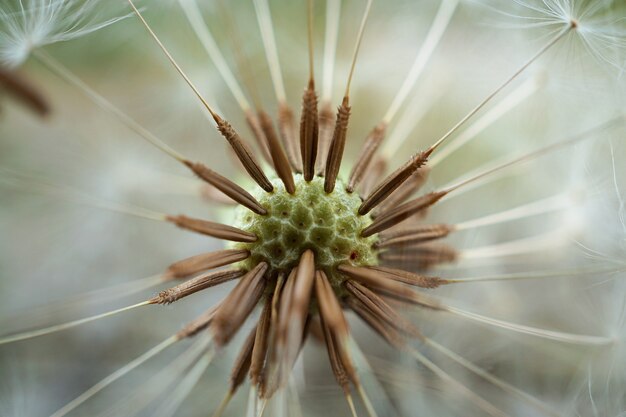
(308, 248)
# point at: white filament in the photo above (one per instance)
(575, 339)
(479, 401)
(271, 51)
(333, 12)
(114, 377)
(64, 326)
(508, 103)
(192, 11)
(437, 29)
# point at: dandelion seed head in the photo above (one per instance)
(304, 260)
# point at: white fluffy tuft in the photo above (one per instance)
(28, 24)
(601, 34)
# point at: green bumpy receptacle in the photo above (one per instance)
(309, 219)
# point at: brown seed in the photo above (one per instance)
(330, 310)
(242, 362)
(287, 129)
(391, 335)
(335, 153)
(373, 176)
(381, 309)
(244, 154)
(326, 129)
(294, 311)
(420, 257)
(208, 228)
(379, 282)
(414, 235)
(315, 329)
(363, 161)
(410, 278)
(396, 215)
(309, 131)
(226, 186)
(257, 131)
(281, 163)
(259, 351)
(335, 330)
(277, 298)
(303, 286)
(283, 307)
(410, 187)
(268, 382)
(214, 196)
(238, 305)
(338, 368)
(197, 325)
(202, 262)
(24, 92)
(393, 181)
(194, 285)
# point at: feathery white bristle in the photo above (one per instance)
(601, 37)
(31, 24)
(95, 389)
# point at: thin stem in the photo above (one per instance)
(64, 326)
(152, 388)
(337, 145)
(411, 117)
(185, 386)
(350, 404)
(361, 362)
(223, 404)
(333, 12)
(63, 72)
(173, 62)
(521, 69)
(476, 399)
(586, 135)
(262, 407)
(357, 46)
(77, 196)
(264, 18)
(505, 386)
(543, 242)
(575, 339)
(436, 31)
(536, 275)
(194, 15)
(366, 401)
(310, 38)
(49, 311)
(115, 376)
(546, 205)
(508, 103)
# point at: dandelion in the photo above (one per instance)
(309, 247)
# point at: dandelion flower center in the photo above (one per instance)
(326, 223)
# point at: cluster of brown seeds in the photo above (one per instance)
(301, 300)
(307, 297)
